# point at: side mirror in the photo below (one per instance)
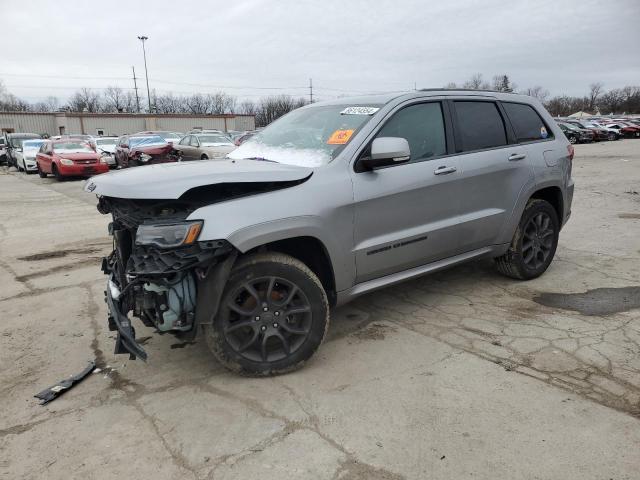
(386, 151)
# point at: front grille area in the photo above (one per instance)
(150, 260)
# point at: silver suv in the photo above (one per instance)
(331, 201)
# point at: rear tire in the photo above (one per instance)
(534, 242)
(273, 316)
(204, 157)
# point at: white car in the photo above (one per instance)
(106, 147)
(26, 158)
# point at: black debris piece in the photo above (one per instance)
(59, 388)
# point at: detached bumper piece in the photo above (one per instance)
(59, 388)
(118, 321)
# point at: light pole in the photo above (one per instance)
(146, 73)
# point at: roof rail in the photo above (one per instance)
(460, 90)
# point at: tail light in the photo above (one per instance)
(571, 151)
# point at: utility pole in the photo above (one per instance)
(146, 73)
(310, 90)
(135, 87)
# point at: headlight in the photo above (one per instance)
(169, 235)
(144, 157)
(66, 161)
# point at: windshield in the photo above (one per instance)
(214, 139)
(17, 142)
(146, 141)
(170, 135)
(570, 126)
(106, 141)
(32, 144)
(72, 147)
(308, 137)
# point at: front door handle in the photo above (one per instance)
(516, 156)
(444, 170)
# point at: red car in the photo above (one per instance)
(138, 150)
(68, 158)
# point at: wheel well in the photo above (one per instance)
(553, 195)
(313, 254)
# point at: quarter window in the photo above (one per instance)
(480, 126)
(423, 127)
(526, 122)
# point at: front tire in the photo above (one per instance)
(56, 173)
(272, 317)
(204, 157)
(612, 136)
(573, 140)
(534, 242)
(41, 174)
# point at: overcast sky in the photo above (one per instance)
(252, 48)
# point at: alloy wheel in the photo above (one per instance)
(266, 319)
(537, 242)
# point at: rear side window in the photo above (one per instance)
(423, 127)
(526, 122)
(480, 126)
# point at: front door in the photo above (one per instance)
(405, 215)
(185, 148)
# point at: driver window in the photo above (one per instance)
(423, 127)
(184, 141)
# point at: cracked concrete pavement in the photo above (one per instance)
(460, 374)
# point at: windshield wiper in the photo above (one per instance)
(260, 159)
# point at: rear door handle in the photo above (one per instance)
(516, 156)
(444, 170)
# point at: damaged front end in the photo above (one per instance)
(157, 269)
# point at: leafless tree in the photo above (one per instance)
(595, 90)
(114, 100)
(221, 102)
(542, 94)
(83, 100)
(476, 82)
(451, 85)
(247, 107)
(271, 108)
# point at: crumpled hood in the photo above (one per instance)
(171, 180)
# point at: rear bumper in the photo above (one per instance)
(82, 170)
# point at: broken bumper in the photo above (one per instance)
(118, 321)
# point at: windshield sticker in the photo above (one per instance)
(543, 132)
(339, 137)
(359, 111)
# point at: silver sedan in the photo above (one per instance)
(204, 146)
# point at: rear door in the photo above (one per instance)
(495, 167)
(406, 214)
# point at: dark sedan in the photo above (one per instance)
(575, 134)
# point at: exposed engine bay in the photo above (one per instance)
(158, 285)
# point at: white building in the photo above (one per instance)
(60, 123)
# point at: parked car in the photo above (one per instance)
(203, 146)
(90, 139)
(625, 130)
(333, 200)
(26, 157)
(610, 132)
(244, 137)
(169, 137)
(575, 134)
(597, 132)
(68, 158)
(14, 146)
(3, 150)
(200, 130)
(106, 148)
(137, 150)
